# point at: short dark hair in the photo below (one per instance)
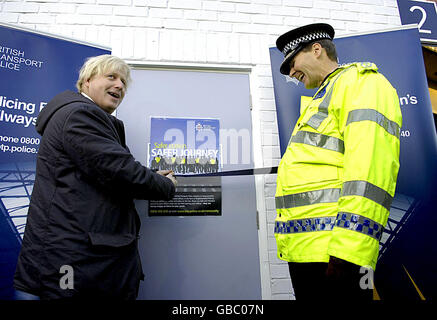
(328, 45)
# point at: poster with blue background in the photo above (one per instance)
(184, 145)
(407, 262)
(187, 146)
(34, 67)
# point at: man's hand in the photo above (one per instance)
(168, 174)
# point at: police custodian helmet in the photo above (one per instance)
(293, 41)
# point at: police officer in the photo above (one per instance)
(338, 175)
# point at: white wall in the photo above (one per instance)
(227, 32)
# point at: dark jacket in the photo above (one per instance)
(82, 212)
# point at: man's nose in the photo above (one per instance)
(119, 84)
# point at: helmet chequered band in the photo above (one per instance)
(306, 38)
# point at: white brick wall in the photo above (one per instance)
(211, 32)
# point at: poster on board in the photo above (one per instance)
(187, 146)
(34, 67)
(407, 259)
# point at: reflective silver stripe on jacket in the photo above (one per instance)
(307, 198)
(360, 224)
(367, 190)
(305, 225)
(373, 115)
(318, 140)
(317, 118)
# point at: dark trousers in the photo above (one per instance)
(310, 282)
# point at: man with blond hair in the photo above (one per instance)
(82, 227)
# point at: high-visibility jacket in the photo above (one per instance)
(337, 178)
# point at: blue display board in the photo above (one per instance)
(408, 254)
(34, 67)
(424, 13)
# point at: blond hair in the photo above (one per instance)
(100, 65)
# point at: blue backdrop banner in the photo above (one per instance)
(407, 262)
(34, 67)
(422, 12)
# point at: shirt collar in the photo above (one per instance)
(86, 96)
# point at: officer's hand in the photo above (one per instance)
(336, 267)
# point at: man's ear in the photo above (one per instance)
(85, 85)
(317, 49)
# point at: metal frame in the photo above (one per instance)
(12, 184)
